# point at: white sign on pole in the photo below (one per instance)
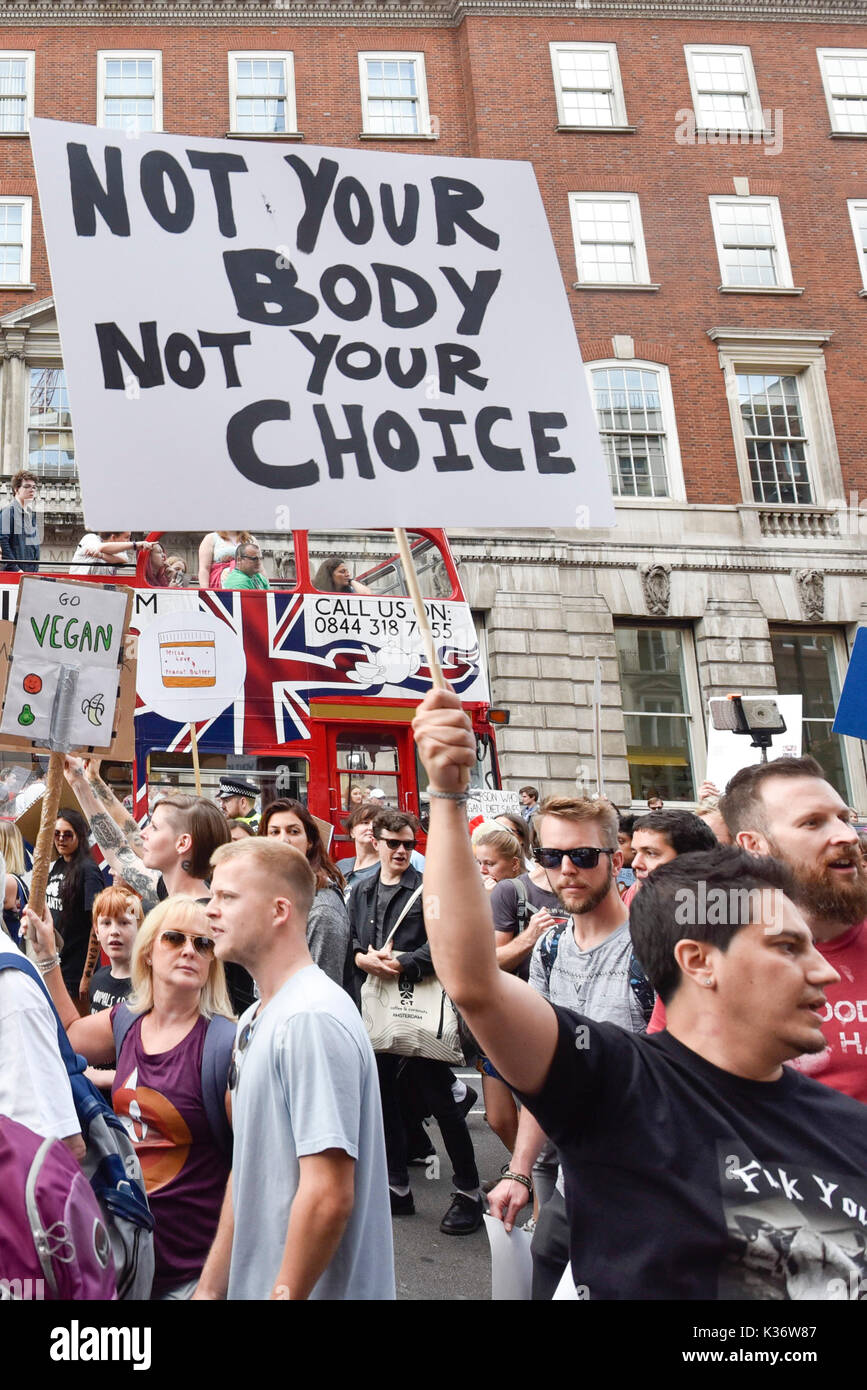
(190, 666)
(320, 337)
(727, 752)
(78, 626)
(491, 803)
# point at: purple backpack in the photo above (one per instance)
(53, 1241)
(110, 1163)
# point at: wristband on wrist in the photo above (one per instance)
(460, 797)
(519, 1177)
(43, 966)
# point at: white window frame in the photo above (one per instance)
(673, 460)
(784, 269)
(424, 131)
(642, 271)
(857, 205)
(754, 121)
(104, 55)
(851, 749)
(287, 58)
(26, 204)
(780, 439)
(618, 101)
(29, 57)
(694, 716)
(822, 54)
(789, 353)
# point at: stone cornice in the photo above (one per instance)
(412, 13)
(625, 555)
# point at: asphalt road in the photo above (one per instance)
(429, 1264)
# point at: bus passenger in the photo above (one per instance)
(333, 577)
(157, 572)
(247, 573)
(177, 567)
(217, 553)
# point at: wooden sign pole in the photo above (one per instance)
(43, 853)
(194, 745)
(418, 604)
(437, 677)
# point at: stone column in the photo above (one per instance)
(13, 401)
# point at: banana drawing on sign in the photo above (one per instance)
(67, 635)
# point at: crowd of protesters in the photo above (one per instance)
(644, 992)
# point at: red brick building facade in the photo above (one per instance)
(705, 179)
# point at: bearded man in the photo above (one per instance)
(786, 809)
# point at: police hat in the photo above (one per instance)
(236, 786)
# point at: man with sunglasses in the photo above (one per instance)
(585, 962)
(415, 1085)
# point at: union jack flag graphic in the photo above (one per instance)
(285, 671)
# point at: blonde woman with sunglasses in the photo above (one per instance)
(171, 1043)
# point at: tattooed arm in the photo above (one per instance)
(123, 863)
(110, 803)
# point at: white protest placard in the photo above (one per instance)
(307, 337)
(78, 626)
(511, 1261)
(190, 666)
(727, 752)
(491, 802)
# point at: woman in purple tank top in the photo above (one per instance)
(178, 988)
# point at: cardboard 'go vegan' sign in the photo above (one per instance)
(74, 631)
(274, 336)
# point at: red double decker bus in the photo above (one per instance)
(331, 679)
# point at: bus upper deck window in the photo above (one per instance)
(366, 562)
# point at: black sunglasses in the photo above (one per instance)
(64, 834)
(584, 858)
(242, 1044)
(397, 844)
(203, 944)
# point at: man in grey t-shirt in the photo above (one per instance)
(307, 1212)
(584, 965)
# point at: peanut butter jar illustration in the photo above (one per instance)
(188, 660)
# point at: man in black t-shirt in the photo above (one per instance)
(696, 1164)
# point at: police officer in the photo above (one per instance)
(237, 800)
